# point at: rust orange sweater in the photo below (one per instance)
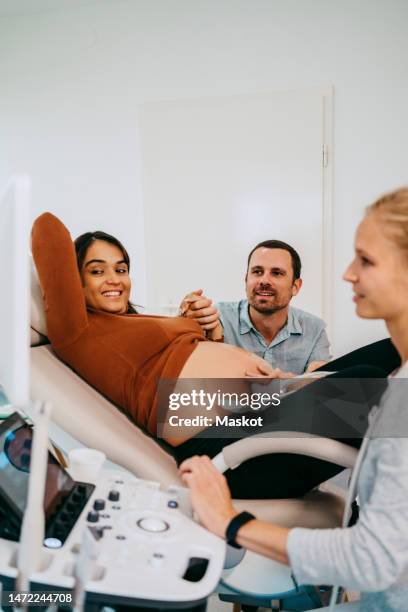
(122, 356)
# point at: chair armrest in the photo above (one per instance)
(95, 422)
(285, 442)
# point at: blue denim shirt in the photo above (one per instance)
(302, 340)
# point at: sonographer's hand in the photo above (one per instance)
(211, 501)
(199, 307)
(209, 493)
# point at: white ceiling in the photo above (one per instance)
(10, 8)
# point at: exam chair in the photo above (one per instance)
(95, 422)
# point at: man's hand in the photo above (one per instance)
(197, 306)
(209, 493)
(262, 369)
(313, 365)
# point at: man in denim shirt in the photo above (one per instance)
(265, 323)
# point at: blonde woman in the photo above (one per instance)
(372, 555)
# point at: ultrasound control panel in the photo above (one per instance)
(146, 547)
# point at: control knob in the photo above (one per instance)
(92, 517)
(99, 504)
(114, 495)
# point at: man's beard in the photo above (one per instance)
(274, 304)
(266, 309)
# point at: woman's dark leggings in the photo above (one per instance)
(335, 407)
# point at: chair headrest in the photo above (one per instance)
(38, 320)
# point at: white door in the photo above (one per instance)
(222, 174)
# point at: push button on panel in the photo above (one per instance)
(156, 560)
(52, 543)
(154, 525)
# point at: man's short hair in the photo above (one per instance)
(279, 244)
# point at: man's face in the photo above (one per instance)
(269, 280)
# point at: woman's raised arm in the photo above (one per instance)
(55, 259)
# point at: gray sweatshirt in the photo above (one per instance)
(371, 556)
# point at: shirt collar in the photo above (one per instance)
(245, 323)
(293, 326)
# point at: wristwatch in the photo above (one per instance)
(235, 525)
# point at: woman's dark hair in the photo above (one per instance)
(278, 244)
(84, 241)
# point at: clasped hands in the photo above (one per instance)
(197, 306)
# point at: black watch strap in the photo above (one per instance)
(234, 525)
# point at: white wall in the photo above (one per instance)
(71, 79)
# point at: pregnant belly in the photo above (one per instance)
(216, 360)
(206, 368)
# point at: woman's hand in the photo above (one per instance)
(210, 495)
(211, 500)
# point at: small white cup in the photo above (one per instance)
(85, 464)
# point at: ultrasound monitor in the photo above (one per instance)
(15, 291)
(64, 498)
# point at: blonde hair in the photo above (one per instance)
(393, 208)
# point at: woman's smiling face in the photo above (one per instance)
(105, 278)
(378, 272)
